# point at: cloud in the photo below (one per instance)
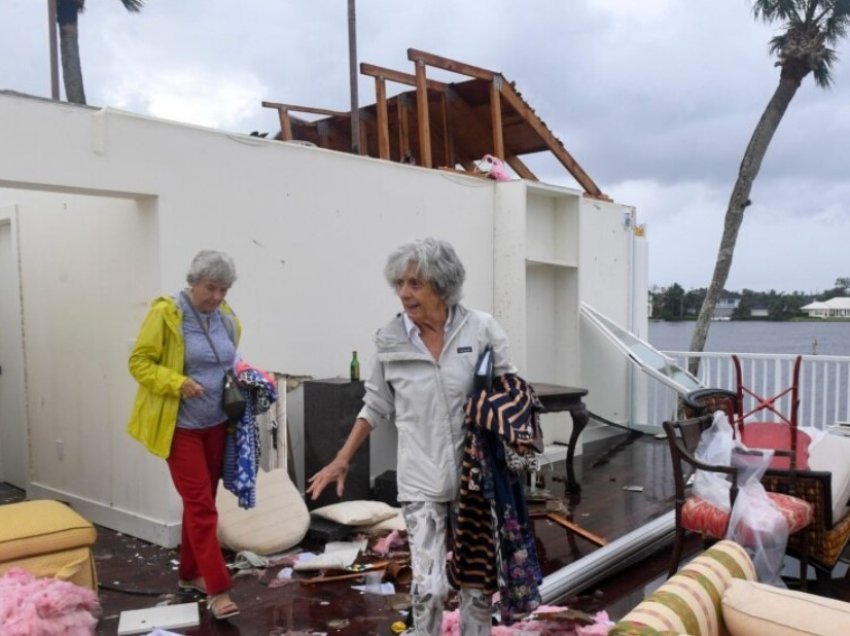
(655, 99)
(189, 95)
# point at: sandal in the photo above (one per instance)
(195, 585)
(221, 607)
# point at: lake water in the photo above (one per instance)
(825, 338)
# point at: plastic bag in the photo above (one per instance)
(715, 447)
(754, 522)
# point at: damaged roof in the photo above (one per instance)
(437, 124)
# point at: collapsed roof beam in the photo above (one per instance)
(501, 89)
(286, 122)
(475, 131)
(557, 148)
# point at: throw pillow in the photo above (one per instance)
(756, 609)
(395, 522)
(360, 512)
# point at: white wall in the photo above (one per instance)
(111, 208)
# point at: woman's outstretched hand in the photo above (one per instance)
(336, 471)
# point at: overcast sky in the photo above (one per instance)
(656, 99)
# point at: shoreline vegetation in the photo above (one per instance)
(674, 303)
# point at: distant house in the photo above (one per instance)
(759, 312)
(838, 307)
(725, 308)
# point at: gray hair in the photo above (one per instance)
(436, 262)
(212, 265)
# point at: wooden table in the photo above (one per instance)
(556, 398)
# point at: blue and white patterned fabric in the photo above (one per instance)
(242, 447)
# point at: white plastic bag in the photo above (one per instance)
(715, 447)
(754, 522)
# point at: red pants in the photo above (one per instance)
(195, 463)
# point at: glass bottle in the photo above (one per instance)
(354, 367)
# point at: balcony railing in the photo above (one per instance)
(824, 384)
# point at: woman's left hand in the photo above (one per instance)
(191, 389)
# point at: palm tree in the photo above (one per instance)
(809, 28)
(67, 12)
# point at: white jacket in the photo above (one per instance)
(426, 398)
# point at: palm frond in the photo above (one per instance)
(776, 44)
(822, 74)
(775, 10)
(133, 6)
(823, 71)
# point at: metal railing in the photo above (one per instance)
(824, 388)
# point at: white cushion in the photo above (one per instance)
(360, 512)
(393, 523)
(278, 521)
(756, 609)
(830, 452)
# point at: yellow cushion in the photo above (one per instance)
(756, 609)
(31, 528)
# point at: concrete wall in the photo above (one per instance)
(110, 207)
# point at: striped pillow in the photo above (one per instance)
(689, 602)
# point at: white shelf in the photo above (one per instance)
(532, 261)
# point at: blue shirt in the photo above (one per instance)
(201, 365)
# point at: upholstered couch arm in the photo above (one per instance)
(689, 602)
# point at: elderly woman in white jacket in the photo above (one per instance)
(421, 378)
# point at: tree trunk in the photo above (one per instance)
(738, 202)
(67, 12)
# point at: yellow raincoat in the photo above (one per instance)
(157, 364)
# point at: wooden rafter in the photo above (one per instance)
(455, 123)
(557, 148)
(305, 109)
(397, 76)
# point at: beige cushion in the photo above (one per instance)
(756, 609)
(395, 522)
(361, 512)
(278, 521)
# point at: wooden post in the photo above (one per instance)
(383, 118)
(422, 116)
(364, 140)
(285, 124)
(403, 131)
(447, 132)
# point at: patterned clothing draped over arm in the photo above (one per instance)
(493, 545)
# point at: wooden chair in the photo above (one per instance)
(694, 514)
(708, 400)
(781, 431)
